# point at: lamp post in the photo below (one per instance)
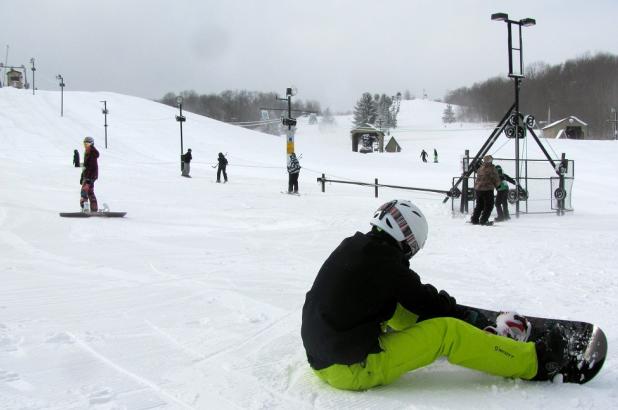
(517, 76)
(614, 121)
(59, 77)
(33, 70)
(105, 112)
(180, 118)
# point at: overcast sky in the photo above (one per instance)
(330, 50)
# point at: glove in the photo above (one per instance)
(449, 301)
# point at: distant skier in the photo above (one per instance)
(89, 175)
(293, 172)
(186, 163)
(435, 155)
(76, 159)
(487, 179)
(502, 203)
(368, 319)
(424, 155)
(222, 161)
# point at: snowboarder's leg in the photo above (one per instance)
(290, 182)
(499, 206)
(488, 206)
(219, 174)
(295, 182)
(421, 344)
(402, 319)
(478, 207)
(224, 175)
(92, 198)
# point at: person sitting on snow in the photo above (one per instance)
(368, 319)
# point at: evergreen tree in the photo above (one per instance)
(448, 116)
(328, 118)
(365, 111)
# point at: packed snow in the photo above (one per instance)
(193, 300)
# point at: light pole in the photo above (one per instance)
(33, 70)
(59, 77)
(614, 121)
(517, 76)
(105, 112)
(180, 118)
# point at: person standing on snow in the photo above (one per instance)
(435, 155)
(502, 204)
(186, 163)
(293, 172)
(222, 161)
(368, 319)
(76, 158)
(424, 155)
(90, 174)
(487, 179)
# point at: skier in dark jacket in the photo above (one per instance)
(368, 318)
(424, 155)
(89, 175)
(186, 163)
(486, 180)
(293, 172)
(76, 158)
(502, 204)
(222, 161)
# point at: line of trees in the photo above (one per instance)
(586, 87)
(238, 105)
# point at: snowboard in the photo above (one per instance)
(587, 344)
(104, 214)
(290, 193)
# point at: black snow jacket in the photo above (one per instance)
(222, 161)
(355, 291)
(91, 166)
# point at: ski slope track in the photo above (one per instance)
(193, 300)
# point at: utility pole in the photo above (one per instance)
(33, 70)
(59, 77)
(614, 122)
(180, 118)
(105, 112)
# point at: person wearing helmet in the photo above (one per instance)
(368, 319)
(293, 172)
(502, 204)
(90, 174)
(186, 164)
(486, 180)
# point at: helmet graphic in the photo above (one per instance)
(404, 222)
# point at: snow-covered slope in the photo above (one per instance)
(193, 300)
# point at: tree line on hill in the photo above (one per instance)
(586, 87)
(377, 110)
(241, 106)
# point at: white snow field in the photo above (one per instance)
(193, 300)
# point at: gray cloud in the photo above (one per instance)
(331, 50)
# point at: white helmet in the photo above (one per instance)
(403, 221)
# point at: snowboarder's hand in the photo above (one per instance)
(450, 301)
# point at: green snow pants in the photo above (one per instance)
(413, 345)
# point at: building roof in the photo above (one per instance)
(570, 118)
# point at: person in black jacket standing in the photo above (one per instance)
(89, 175)
(76, 158)
(221, 167)
(368, 319)
(293, 172)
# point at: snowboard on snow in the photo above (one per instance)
(103, 214)
(586, 342)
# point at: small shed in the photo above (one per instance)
(570, 127)
(367, 131)
(14, 78)
(392, 146)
